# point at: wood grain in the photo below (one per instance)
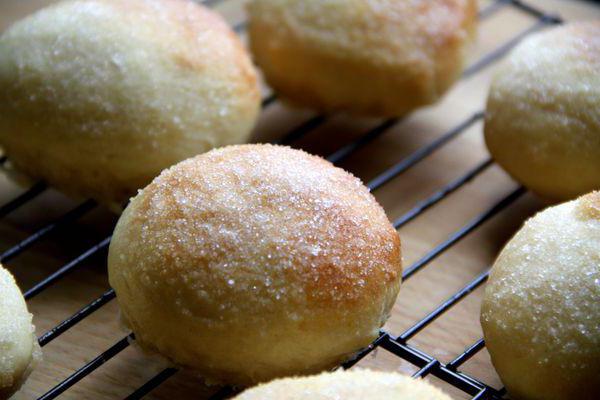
(444, 339)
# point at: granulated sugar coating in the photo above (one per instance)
(542, 124)
(541, 311)
(355, 384)
(256, 261)
(99, 96)
(19, 350)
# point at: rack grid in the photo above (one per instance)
(395, 344)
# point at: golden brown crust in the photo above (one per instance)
(355, 384)
(258, 239)
(361, 56)
(542, 121)
(104, 94)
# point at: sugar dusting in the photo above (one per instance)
(249, 262)
(543, 297)
(265, 220)
(354, 384)
(124, 89)
(542, 119)
(19, 351)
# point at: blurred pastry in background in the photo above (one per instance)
(19, 349)
(543, 112)
(253, 262)
(370, 57)
(541, 309)
(98, 96)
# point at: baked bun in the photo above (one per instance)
(371, 57)
(354, 384)
(541, 313)
(98, 96)
(19, 349)
(256, 261)
(542, 121)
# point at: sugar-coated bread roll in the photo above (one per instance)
(19, 349)
(98, 96)
(371, 57)
(252, 262)
(541, 310)
(543, 112)
(355, 384)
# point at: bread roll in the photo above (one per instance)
(543, 112)
(354, 384)
(19, 349)
(256, 261)
(98, 96)
(541, 310)
(371, 57)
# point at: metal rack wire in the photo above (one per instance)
(395, 344)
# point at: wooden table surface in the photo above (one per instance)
(444, 339)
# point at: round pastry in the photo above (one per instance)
(371, 57)
(541, 314)
(256, 261)
(98, 96)
(542, 120)
(19, 349)
(354, 384)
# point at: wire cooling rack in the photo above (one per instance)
(395, 344)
